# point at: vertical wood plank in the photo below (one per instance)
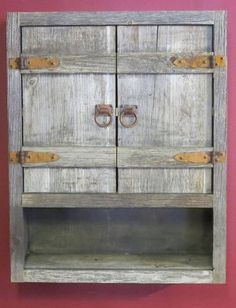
(58, 109)
(173, 109)
(220, 144)
(17, 226)
(185, 38)
(68, 40)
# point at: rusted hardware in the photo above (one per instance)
(30, 157)
(14, 63)
(200, 157)
(32, 63)
(218, 157)
(130, 112)
(202, 61)
(103, 110)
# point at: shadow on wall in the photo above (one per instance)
(88, 291)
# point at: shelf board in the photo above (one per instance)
(117, 261)
(111, 200)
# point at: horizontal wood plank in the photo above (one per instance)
(117, 261)
(112, 200)
(116, 18)
(90, 63)
(136, 62)
(156, 62)
(84, 157)
(121, 276)
(157, 157)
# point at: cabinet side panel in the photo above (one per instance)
(17, 224)
(220, 144)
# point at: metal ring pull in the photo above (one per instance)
(128, 112)
(103, 110)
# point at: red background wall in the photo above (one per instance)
(95, 295)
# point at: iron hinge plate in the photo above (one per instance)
(31, 63)
(201, 61)
(202, 157)
(31, 157)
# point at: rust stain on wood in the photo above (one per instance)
(219, 157)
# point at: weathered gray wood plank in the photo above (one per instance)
(17, 223)
(174, 110)
(54, 180)
(157, 62)
(117, 261)
(184, 180)
(194, 38)
(155, 157)
(83, 157)
(220, 144)
(116, 200)
(59, 110)
(98, 63)
(121, 276)
(68, 40)
(116, 18)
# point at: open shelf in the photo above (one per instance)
(119, 239)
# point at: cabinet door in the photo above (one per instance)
(174, 109)
(59, 107)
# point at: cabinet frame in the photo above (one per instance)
(217, 19)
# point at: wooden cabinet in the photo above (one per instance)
(117, 140)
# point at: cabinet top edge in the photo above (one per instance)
(117, 17)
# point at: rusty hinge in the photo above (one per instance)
(30, 157)
(33, 63)
(200, 157)
(202, 61)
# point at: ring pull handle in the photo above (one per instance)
(102, 110)
(128, 112)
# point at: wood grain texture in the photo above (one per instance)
(83, 157)
(185, 38)
(123, 231)
(173, 109)
(59, 109)
(165, 180)
(121, 276)
(68, 40)
(65, 180)
(116, 200)
(17, 223)
(155, 62)
(116, 18)
(117, 261)
(89, 63)
(220, 144)
(155, 157)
